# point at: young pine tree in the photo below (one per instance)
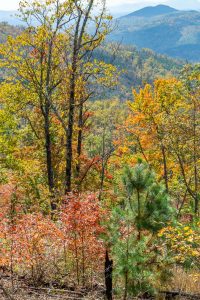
(144, 210)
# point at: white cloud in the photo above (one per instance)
(9, 4)
(184, 4)
(121, 4)
(124, 2)
(113, 3)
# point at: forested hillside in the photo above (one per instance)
(99, 198)
(144, 66)
(137, 67)
(6, 30)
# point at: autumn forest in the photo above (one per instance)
(99, 179)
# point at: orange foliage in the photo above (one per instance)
(81, 217)
(34, 242)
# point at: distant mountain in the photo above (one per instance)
(152, 11)
(9, 17)
(162, 29)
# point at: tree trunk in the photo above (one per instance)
(108, 276)
(48, 147)
(139, 215)
(165, 168)
(126, 267)
(69, 154)
(196, 204)
(126, 286)
(70, 129)
(103, 165)
(79, 141)
(48, 143)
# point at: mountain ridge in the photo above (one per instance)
(9, 16)
(150, 11)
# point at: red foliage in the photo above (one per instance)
(33, 242)
(81, 217)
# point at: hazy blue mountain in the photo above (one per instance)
(162, 29)
(9, 17)
(152, 11)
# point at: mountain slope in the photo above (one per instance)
(6, 30)
(137, 66)
(176, 33)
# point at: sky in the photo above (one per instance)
(119, 6)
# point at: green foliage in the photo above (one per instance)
(137, 66)
(147, 198)
(144, 210)
(137, 179)
(135, 265)
(158, 211)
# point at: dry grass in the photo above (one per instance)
(185, 281)
(22, 291)
(188, 282)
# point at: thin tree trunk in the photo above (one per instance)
(79, 141)
(108, 276)
(126, 273)
(48, 147)
(46, 113)
(103, 165)
(69, 154)
(126, 286)
(70, 129)
(142, 150)
(196, 204)
(182, 204)
(139, 215)
(165, 168)
(187, 184)
(49, 155)
(83, 259)
(76, 260)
